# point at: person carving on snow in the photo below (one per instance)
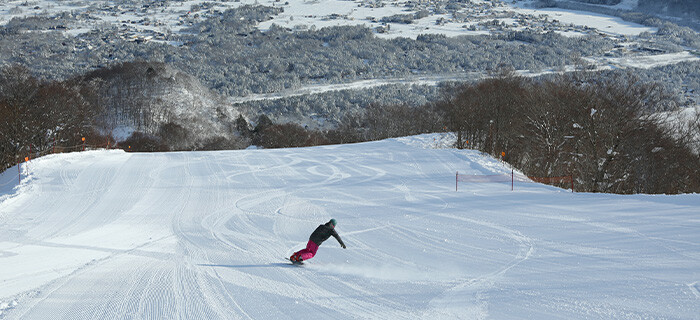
(322, 233)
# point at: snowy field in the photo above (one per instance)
(174, 16)
(203, 235)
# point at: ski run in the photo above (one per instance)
(106, 234)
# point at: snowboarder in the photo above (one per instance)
(322, 233)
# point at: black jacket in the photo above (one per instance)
(323, 232)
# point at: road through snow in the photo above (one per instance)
(203, 235)
(601, 63)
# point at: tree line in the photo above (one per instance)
(606, 132)
(36, 115)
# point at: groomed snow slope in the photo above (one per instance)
(203, 235)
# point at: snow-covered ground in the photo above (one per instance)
(203, 235)
(173, 16)
(642, 61)
(603, 23)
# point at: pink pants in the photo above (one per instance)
(309, 252)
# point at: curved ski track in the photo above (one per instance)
(203, 235)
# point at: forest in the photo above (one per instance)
(36, 116)
(230, 55)
(606, 132)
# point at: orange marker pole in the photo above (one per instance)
(26, 165)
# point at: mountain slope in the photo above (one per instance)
(203, 235)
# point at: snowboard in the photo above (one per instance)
(295, 262)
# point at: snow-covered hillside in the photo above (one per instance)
(214, 42)
(146, 20)
(203, 235)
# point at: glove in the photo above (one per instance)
(343, 245)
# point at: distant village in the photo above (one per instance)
(137, 21)
(144, 21)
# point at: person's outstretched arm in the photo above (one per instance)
(337, 237)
